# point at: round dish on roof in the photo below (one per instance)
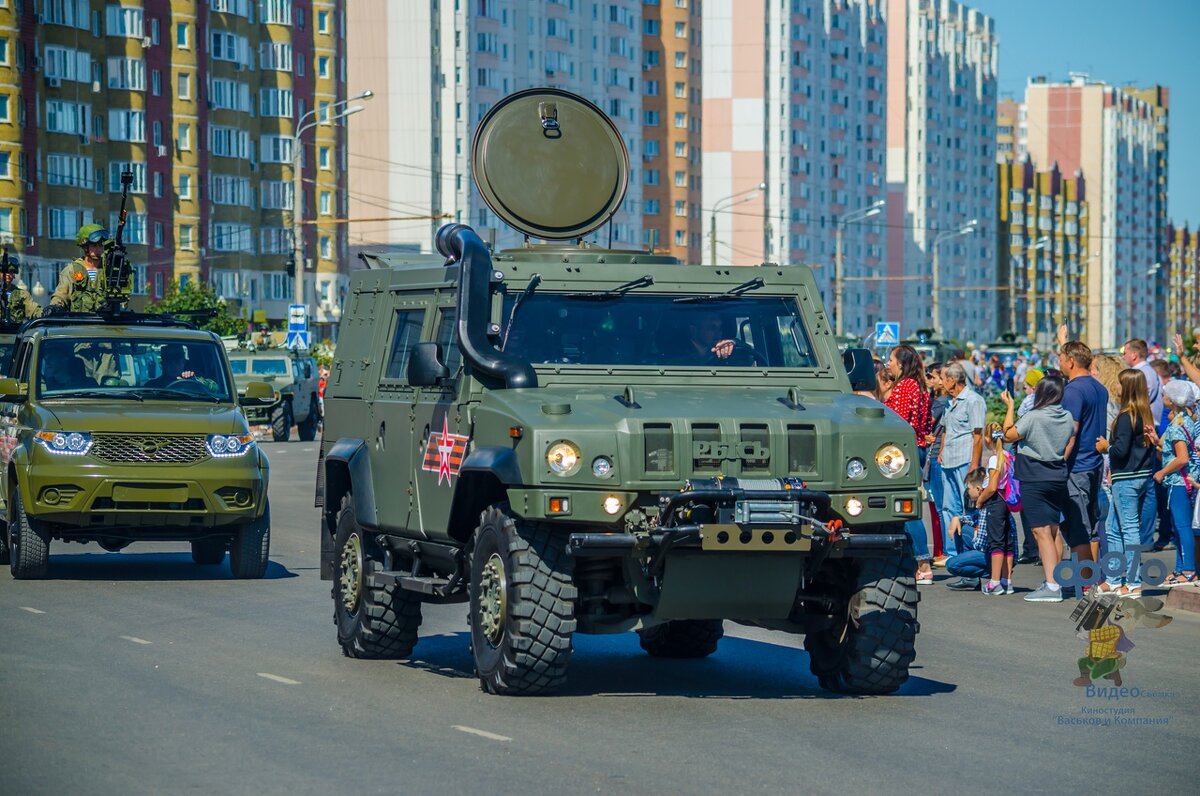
(550, 164)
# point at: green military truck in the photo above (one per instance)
(124, 428)
(294, 379)
(579, 440)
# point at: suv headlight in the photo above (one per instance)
(563, 458)
(225, 446)
(890, 460)
(66, 443)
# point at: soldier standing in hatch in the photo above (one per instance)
(79, 288)
(21, 306)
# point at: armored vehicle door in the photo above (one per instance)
(391, 406)
(304, 375)
(441, 432)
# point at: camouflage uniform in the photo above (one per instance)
(21, 306)
(76, 291)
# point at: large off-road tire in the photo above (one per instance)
(307, 430)
(682, 638)
(522, 606)
(208, 551)
(373, 620)
(870, 650)
(251, 547)
(281, 422)
(28, 544)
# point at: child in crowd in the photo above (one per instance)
(987, 548)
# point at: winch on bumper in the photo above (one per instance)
(742, 515)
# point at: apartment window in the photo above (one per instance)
(277, 194)
(66, 221)
(158, 243)
(274, 240)
(71, 13)
(651, 176)
(275, 149)
(326, 247)
(127, 74)
(680, 179)
(650, 148)
(185, 243)
(323, 158)
(275, 56)
(127, 22)
(141, 272)
(239, 7)
(5, 165)
(182, 37)
(231, 237)
(226, 189)
(651, 118)
(138, 168)
(323, 67)
(325, 203)
(67, 64)
(127, 125)
(185, 186)
(650, 27)
(70, 170)
(650, 88)
(183, 141)
(276, 12)
(322, 22)
(184, 86)
(680, 237)
(680, 207)
(681, 119)
(229, 142)
(229, 47)
(160, 283)
(232, 95)
(158, 185)
(680, 149)
(5, 116)
(135, 227)
(680, 59)
(61, 117)
(651, 208)
(681, 30)
(156, 83)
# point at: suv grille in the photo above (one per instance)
(149, 448)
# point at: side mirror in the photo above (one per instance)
(860, 367)
(307, 371)
(258, 393)
(13, 391)
(425, 365)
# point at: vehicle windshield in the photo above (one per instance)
(136, 368)
(269, 367)
(238, 366)
(6, 352)
(634, 329)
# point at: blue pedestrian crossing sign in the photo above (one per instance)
(887, 333)
(297, 341)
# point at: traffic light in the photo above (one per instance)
(291, 266)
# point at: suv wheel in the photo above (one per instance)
(251, 547)
(208, 551)
(682, 638)
(373, 621)
(870, 652)
(281, 423)
(522, 605)
(308, 428)
(28, 545)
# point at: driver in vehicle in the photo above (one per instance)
(65, 373)
(701, 333)
(174, 367)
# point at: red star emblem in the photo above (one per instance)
(445, 447)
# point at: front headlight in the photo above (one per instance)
(225, 446)
(66, 443)
(564, 458)
(890, 460)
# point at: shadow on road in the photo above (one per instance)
(616, 666)
(146, 566)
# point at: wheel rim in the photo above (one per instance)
(493, 599)
(350, 580)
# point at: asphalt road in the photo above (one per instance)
(140, 672)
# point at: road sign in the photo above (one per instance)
(297, 318)
(297, 341)
(887, 333)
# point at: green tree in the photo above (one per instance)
(195, 296)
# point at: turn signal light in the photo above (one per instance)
(904, 506)
(560, 505)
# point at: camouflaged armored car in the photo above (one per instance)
(573, 439)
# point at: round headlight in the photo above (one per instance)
(612, 504)
(602, 467)
(856, 468)
(60, 441)
(890, 460)
(854, 507)
(563, 458)
(75, 441)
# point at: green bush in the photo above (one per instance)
(195, 296)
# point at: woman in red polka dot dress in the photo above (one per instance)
(909, 398)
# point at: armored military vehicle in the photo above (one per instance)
(931, 348)
(580, 440)
(294, 379)
(126, 428)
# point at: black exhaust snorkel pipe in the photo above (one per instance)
(458, 243)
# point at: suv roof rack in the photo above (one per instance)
(115, 319)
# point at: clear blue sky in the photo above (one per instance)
(1138, 42)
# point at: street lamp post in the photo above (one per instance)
(839, 281)
(741, 196)
(965, 229)
(337, 110)
(1031, 312)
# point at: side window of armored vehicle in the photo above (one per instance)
(238, 366)
(449, 340)
(6, 357)
(406, 334)
(20, 367)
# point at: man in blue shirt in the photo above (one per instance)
(1087, 401)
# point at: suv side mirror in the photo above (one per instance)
(860, 367)
(258, 393)
(426, 367)
(13, 391)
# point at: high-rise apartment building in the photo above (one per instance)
(1042, 242)
(436, 69)
(1118, 139)
(671, 96)
(200, 101)
(1183, 303)
(794, 100)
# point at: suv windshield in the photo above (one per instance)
(132, 367)
(744, 331)
(260, 367)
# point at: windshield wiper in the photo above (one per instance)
(97, 394)
(616, 292)
(728, 295)
(534, 281)
(183, 394)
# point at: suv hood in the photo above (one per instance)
(151, 417)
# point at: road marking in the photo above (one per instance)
(31, 610)
(491, 736)
(278, 679)
(136, 640)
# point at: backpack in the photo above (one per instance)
(1009, 486)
